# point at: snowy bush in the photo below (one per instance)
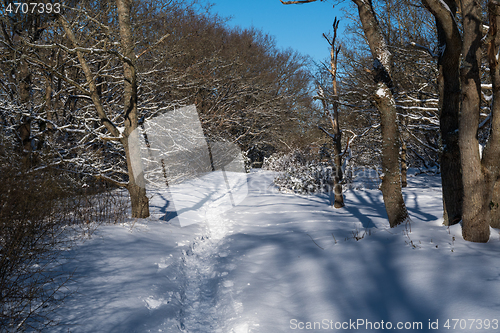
(299, 172)
(42, 212)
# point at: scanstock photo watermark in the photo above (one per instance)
(204, 177)
(464, 325)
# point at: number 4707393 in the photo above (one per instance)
(478, 324)
(33, 8)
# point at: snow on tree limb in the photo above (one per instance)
(424, 48)
(90, 78)
(149, 48)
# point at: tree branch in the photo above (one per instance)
(424, 48)
(77, 49)
(58, 74)
(297, 2)
(89, 77)
(153, 46)
(327, 133)
(109, 180)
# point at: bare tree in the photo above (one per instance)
(384, 99)
(461, 93)
(334, 117)
(136, 184)
(491, 153)
(409, 32)
(475, 226)
(479, 174)
(450, 44)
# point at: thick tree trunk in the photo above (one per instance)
(450, 42)
(139, 201)
(449, 97)
(391, 181)
(136, 186)
(476, 214)
(491, 153)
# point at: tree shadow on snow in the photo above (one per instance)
(365, 205)
(367, 281)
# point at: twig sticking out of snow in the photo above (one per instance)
(315, 242)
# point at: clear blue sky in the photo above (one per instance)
(296, 26)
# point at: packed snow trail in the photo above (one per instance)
(207, 300)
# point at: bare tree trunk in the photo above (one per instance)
(491, 153)
(391, 181)
(136, 187)
(403, 137)
(334, 118)
(337, 179)
(479, 176)
(449, 99)
(476, 214)
(450, 42)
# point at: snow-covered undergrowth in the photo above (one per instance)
(282, 262)
(297, 172)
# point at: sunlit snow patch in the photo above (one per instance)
(201, 177)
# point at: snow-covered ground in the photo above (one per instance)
(286, 263)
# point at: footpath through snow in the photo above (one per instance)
(286, 263)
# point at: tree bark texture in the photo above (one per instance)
(491, 153)
(391, 181)
(476, 214)
(334, 117)
(136, 185)
(450, 46)
(495, 206)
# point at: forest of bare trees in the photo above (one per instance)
(82, 80)
(414, 99)
(407, 84)
(76, 83)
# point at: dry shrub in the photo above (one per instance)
(301, 172)
(41, 212)
(98, 203)
(32, 232)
